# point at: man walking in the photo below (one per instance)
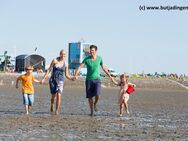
(93, 82)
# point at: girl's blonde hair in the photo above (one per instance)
(124, 76)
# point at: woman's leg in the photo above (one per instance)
(58, 103)
(52, 102)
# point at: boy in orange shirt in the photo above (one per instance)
(27, 88)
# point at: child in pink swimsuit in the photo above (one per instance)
(125, 90)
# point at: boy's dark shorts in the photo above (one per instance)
(93, 88)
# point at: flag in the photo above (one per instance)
(36, 49)
(5, 52)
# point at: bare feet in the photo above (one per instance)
(57, 112)
(52, 108)
(91, 114)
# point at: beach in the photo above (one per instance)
(158, 112)
(151, 83)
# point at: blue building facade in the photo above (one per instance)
(74, 55)
(77, 52)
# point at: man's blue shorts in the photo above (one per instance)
(93, 88)
(28, 99)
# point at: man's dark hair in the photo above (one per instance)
(93, 46)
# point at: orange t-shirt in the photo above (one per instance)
(27, 83)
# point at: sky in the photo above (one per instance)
(129, 39)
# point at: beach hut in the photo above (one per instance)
(35, 60)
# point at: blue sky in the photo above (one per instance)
(129, 40)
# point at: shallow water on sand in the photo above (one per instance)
(154, 115)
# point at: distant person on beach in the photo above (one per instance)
(27, 88)
(56, 82)
(93, 82)
(126, 88)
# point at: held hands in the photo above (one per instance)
(72, 78)
(111, 78)
(114, 81)
(75, 78)
(42, 81)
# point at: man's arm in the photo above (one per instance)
(115, 82)
(106, 71)
(77, 71)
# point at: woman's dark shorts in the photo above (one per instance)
(93, 88)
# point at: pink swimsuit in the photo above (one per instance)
(123, 95)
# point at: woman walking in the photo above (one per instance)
(56, 82)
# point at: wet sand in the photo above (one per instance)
(155, 115)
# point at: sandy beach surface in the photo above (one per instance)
(155, 115)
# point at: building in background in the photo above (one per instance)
(22, 61)
(77, 52)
